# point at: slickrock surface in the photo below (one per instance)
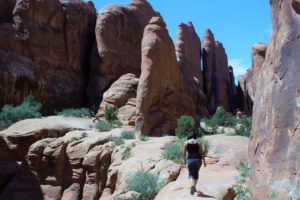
(216, 180)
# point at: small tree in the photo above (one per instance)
(110, 113)
(185, 125)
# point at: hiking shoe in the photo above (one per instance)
(193, 189)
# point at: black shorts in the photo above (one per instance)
(194, 167)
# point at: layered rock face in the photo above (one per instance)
(44, 51)
(117, 49)
(58, 161)
(274, 146)
(160, 100)
(218, 85)
(188, 52)
(248, 82)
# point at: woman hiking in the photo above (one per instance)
(193, 156)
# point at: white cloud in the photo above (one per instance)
(239, 66)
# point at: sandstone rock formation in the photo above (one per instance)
(44, 51)
(16, 140)
(117, 49)
(188, 52)
(122, 94)
(73, 165)
(217, 79)
(160, 101)
(274, 146)
(248, 82)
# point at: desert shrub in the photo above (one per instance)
(241, 189)
(132, 197)
(185, 125)
(75, 112)
(242, 131)
(84, 134)
(243, 171)
(174, 151)
(144, 138)
(273, 195)
(27, 109)
(146, 183)
(117, 141)
(243, 126)
(103, 125)
(126, 153)
(242, 192)
(127, 134)
(245, 121)
(110, 113)
(220, 118)
(116, 123)
(74, 138)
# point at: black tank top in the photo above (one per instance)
(193, 149)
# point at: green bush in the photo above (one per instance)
(75, 112)
(84, 134)
(103, 125)
(132, 197)
(185, 125)
(241, 189)
(110, 113)
(27, 109)
(174, 151)
(242, 192)
(116, 123)
(243, 171)
(244, 126)
(117, 141)
(242, 131)
(144, 138)
(220, 118)
(127, 134)
(126, 153)
(146, 183)
(74, 138)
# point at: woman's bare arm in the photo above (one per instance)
(202, 154)
(185, 153)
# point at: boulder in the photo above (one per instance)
(122, 95)
(160, 101)
(274, 146)
(117, 49)
(44, 51)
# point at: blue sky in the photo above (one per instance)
(238, 24)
